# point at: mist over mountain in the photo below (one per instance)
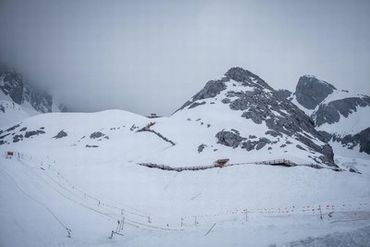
(184, 123)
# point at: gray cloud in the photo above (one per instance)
(151, 56)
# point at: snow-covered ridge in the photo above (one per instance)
(75, 179)
(239, 117)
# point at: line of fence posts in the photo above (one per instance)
(120, 223)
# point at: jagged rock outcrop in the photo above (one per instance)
(60, 134)
(311, 91)
(250, 95)
(362, 139)
(332, 107)
(229, 138)
(264, 104)
(12, 85)
(96, 134)
(210, 90)
(330, 113)
(284, 93)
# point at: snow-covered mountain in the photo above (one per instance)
(91, 179)
(100, 169)
(19, 100)
(339, 115)
(238, 117)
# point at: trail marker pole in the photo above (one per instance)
(118, 225)
(320, 212)
(122, 222)
(111, 235)
(246, 215)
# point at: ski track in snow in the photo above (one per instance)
(139, 231)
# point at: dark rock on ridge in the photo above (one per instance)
(350, 141)
(331, 112)
(96, 134)
(263, 104)
(283, 93)
(210, 90)
(311, 91)
(33, 132)
(13, 86)
(60, 134)
(229, 138)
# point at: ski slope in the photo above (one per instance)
(41, 197)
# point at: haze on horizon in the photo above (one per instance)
(152, 56)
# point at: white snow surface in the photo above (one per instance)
(351, 125)
(12, 113)
(81, 186)
(53, 184)
(86, 192)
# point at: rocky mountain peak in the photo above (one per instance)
(311, 91)
(247, 94)
(11, 84)
(246, 77)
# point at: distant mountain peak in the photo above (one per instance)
(249, 98)
(245, 76)
(311, 91)
(20, 92)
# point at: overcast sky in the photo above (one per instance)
(151, 56)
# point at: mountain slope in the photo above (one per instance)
(75, 177)
(20, 100)
(339, 115)
(256, 117)
(239, 117)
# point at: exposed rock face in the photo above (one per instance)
(330, 113)
(283, 93)
(364, 140)
(33, 132)
(201, 147)
(60, 134)
(96, 134)
(246, 77)
(311, 91)
(12, 84)
(350, 141)
(229, 138)
(40, 101)
(265, 105)
(195, 104)
(255, 144)
(210, 90)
